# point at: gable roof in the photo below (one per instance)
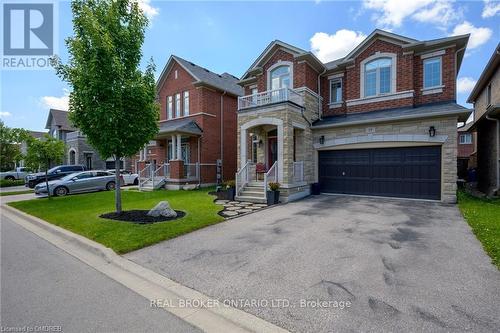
(61, 120)
(182, 125)
(295, 51)
(225, 82)
(488, 71)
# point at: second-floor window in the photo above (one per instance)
(432, 73)
(186, 103)
(335, 90)
(465, 138)
(378, 77)
(177, 105)
(169, 107)
(280, 77)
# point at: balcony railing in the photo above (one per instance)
(270, 97)
(74, 135)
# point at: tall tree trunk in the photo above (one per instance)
(47, 178)
(118, 194)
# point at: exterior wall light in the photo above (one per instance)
(322, 140)
(432, 131)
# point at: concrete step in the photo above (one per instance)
(254, 183)
(252, 193)
(255, 188)
(254, 199)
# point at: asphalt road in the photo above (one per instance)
(404, 266)
(42, 285)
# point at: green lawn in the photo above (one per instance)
(2, 194)
(483, 215)
(80, 214)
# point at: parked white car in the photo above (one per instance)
(17, 174)
(129, 178)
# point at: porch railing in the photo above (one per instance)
(298, 171)
(271, 176)
(242, 177)
(270, 97)
(191, 171)
(145, 175)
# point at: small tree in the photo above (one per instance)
(10, 146)
(41, 153)
(113, 102)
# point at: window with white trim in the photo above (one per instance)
(432, 72)
(177, 105)
(378, 79)
(335, 91)
(280, 77)
(186, 103)
(169, 107)
(465, 138)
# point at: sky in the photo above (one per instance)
(228, 36)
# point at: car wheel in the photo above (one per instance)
(136, 181)
(110, 186)
(60, 191)
(10, 178)
(31, 184)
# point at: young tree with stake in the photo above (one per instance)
(112, 101)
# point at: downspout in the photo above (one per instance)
(199, 162)
(497, 159)
(222, 134)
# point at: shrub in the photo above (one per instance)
(274, 186)
(8, 183)
(229, 184)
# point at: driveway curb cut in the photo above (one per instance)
(143, 281)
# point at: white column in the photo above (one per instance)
(174, 151)
(179, 152)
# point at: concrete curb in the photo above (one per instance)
(145, 282)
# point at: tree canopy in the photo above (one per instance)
(10, 146)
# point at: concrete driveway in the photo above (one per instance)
(402, 265)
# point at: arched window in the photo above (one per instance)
(280, 77)
(72, 157)
(378, 76)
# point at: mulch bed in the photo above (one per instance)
(140, 216)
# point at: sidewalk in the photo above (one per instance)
(191, 306)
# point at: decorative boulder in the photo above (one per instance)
(162, 209)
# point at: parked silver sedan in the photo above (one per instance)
(84, 181)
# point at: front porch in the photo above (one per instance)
(176, 163)
(272, 152)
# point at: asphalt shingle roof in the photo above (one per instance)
(180, 125)
(60, 118)
(388, 114)
(225, 81)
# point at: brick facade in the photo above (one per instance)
(213, 110)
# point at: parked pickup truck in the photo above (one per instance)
(17, 174)
(57, 172)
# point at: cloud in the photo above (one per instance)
(478, 36)
(148, 10)
(465, 84)
(392, 13)
(54, 102)
(491, 8)
(5, 114)
(330, 47)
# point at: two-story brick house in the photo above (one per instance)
(197, 128)
(486, 99)
(380, 121)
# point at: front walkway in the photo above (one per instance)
(403, 265)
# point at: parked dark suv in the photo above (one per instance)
(57, 172)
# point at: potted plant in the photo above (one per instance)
(230, 188)
(273, 194)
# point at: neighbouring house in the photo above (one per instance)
(196, 143)
(381, 121)
(78, 151)
(465, 143)
(486, 99)
(24, 144)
